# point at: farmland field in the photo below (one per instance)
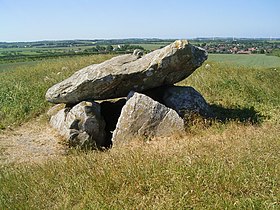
(154, 46)
(149, 46)
(41, 49)
(256, 61)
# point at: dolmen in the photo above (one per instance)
(128, 97)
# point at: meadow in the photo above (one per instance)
(23, 85)
(231, 162)
(34, 51)
(18, 65)
(252, 60)
(154, 46)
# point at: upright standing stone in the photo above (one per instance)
(143, 117)
(81, 125)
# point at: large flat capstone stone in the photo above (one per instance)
(119, 75)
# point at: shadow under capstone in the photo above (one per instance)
(111, 112)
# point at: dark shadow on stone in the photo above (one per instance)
(243, 114)
(190, 101)
(111, 112)
(216, 112)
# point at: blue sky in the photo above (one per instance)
(28, 20)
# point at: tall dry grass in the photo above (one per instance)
(237, 168)
(229, 163)
(22, 89)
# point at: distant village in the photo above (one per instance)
(240, 47)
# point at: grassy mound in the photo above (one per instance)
(230, 163)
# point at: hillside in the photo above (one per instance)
(229, 162)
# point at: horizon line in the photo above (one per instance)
(143, 38)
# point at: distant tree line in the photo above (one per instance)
(126, 48)
(275, 52)
(19, 56)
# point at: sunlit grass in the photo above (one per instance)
(239, 88)
(22, 89)
(237, 169)
(253, 60)
(228, 163)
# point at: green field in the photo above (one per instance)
(27, 53)
(231, 162)
(149, 47)
(154, 46)
(256, 61)
(15, 55)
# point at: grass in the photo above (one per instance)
(23, 87)
(229, 163)
(15, 55)
(255, 61)
(238, 90)
(235, 169)
(18, 65)
(32, 50)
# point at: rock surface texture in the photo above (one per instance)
(157, 111)
(81, 125)
(185, 100)
(142, 117)
(122, 74)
